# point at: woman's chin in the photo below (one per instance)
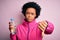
(30, 20)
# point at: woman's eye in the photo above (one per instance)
(32, 13)
(27, 12)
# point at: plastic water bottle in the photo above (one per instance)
(13, 26)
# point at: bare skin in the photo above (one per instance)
(30, 14)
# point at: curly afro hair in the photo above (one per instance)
(31, 5)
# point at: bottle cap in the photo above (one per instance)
(12, 19)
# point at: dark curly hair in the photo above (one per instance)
(31, 5)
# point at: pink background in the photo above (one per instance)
(12, 8)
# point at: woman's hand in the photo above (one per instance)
(11, 27)
(42, 25)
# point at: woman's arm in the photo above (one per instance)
(46, 27)
(13, 37)
(49, 29)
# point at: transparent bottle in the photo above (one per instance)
(13, 27)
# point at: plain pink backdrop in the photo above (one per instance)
(12, 8)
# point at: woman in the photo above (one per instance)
(30, 29)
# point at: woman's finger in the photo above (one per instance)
(44, 23)
(41, 26)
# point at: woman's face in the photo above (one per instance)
(30, 14)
